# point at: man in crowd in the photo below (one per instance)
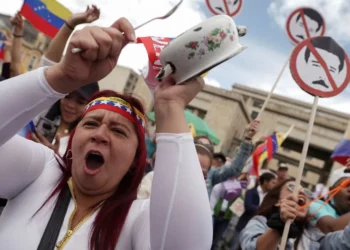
(335, 215)
(218, 175)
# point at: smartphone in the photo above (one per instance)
(47, 128)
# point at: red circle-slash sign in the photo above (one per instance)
(304, 23)
(320, 66)
(227, 7)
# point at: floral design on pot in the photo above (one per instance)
(209, 43)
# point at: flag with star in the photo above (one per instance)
(48, 16)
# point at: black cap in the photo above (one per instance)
(88, 90)
(220, 156)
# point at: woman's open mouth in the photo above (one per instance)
(301, 201)
(93, 162)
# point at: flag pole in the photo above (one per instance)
(288, 132)
(273, 88)
(300, 169)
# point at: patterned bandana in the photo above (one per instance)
(119, 106)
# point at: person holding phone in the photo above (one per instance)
(53, 126)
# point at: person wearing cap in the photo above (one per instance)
(217, 175)
(66, 112)
(335, 215)
(282, 172)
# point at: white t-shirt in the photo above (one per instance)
(176, 217)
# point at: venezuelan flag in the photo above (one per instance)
(47, 16)
(25, 132)
(2, 46)
(266, 151)
(342, 152)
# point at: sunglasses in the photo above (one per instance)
(306, 191)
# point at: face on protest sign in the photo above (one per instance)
(227, 7)
(304, 23)
(320, 66)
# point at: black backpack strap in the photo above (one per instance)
(53, 227)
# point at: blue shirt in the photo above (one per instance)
(222, 174)
(326, 210)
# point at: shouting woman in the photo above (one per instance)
(88, 200)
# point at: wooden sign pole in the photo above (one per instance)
(271, 91)
(300, 169)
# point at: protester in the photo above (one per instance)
(104, 163)
(335, 215)
(265, 230)
(221, 199)
(6, 64)
(254, 197)
(203, 139)
(151, 149)
(338, 240)
(18, 29)
(65, 112)
(217, 175)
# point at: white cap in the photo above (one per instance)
(337, 175)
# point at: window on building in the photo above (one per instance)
(198, 112)
(254, 115)
(31, 63)
(201, 113)
(257, 104)
(131, 83)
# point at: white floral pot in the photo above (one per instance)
(200, 48)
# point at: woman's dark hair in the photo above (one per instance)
(110, 218)
(266, 177)
(267, 207)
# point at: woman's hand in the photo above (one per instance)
(289, 208)
(101, 48)
(39, 138)
(88, 16)
(170, 102)
(180, 94)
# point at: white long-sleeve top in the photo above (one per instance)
(177, 217)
